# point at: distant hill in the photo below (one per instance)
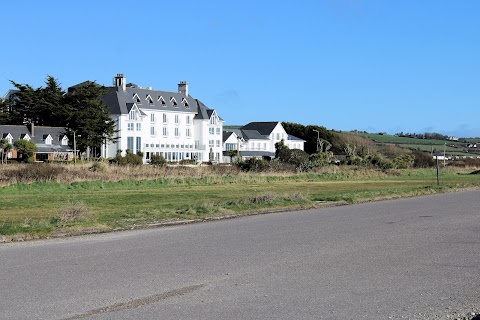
(458, 148)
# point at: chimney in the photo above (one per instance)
(32, 129)
(120, 81)
(183, 87)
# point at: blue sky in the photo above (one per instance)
(391, 66)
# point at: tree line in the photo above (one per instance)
(80, 111)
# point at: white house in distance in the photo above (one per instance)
(171, 124)
(258, 139)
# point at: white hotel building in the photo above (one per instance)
(171, 124)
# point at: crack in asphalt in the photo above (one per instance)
(135, 303)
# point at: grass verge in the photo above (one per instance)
(51, 208)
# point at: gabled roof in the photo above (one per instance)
(265, 128)
(247, 134)
(293, 138)
(39, 133)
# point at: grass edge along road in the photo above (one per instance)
(52, 209)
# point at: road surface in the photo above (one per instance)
(414, 258)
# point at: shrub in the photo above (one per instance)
(422, 159)
(253, 164)
(98, 166)
(158, 160)
(128, 159)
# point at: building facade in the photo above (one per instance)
(155, 122)
(258, 139)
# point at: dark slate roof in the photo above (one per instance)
(226, 135)
(265, 128)
(253, 134)
(39, 135)
(247, 134)
(290, 137)
(10, 92)
(84, 83)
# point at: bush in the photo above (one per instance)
(422, 159)
(253, 164)
(98, 166)
(129, 158)
(158, 160)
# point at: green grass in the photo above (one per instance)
(35, 210)
(385, 138)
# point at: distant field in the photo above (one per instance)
(394, 139)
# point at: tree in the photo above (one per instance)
(42, 106)
(88, 117)
(5, 148)
(26, 148)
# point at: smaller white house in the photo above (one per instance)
(257, 139)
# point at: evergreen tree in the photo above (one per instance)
(88, 117)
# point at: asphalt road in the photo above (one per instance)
(415, 258)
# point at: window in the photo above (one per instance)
(218, 130)
(139, 126)
(48, 140)
(188, 133)
(188, 119)
(130, 126)
(152, 117)
(211, 143)
(177, 119)
(152, 131)
(177, 132)
(218, 143)
(165, 119)
(165, 131)
(130, 143)
(139, 144)
(137, 98)
(213, 119)
(132, 115)
(64, 141)
(185, 103)
(211, 130)
(173, 101)
(162, 101)
(230, 146)
(278, 136)
(149, 99)
(264, 146)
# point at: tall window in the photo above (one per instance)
(130, 143)
(165, 119)
(177, 132)
(211, 143)
(188, 133)
(139, 144)
(130, 126)
(218, 143)
(218, 130)
(177, 119)
(152, 130)
(132, 115)
(211, 130)
(188, 119)
(139, 126)
(152, 117)
(165, 131)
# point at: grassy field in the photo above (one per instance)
(53, 207)
(385, 138)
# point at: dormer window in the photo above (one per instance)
(132, 115)
(214, 119)
(64, 141)
(8, 137)
(149, 99)
(25, 137)
(185, 103)
(136, 98)
(173, 101)
(48, 139)
(162, 101)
